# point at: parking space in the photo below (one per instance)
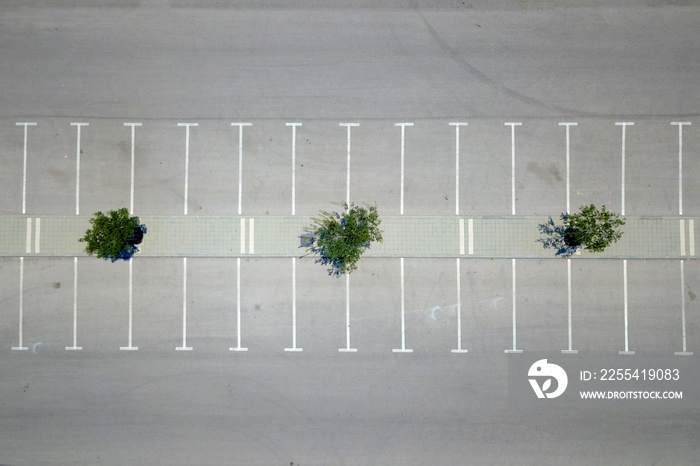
(375, 173)
(691, 275)
(47, 303)
(542, 310)
(485, 168)
(102, 305)
(321, 170)
(266, 306)
(429, 168)
(51, 168)
(157, 301)
(486, 305)
(301, 168)
(654, 305)
(596, 165)
(598, 306)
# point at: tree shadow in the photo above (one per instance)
(128, 252)
(554, 237)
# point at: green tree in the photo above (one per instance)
(113, 235)
(592, 228)
(340, 239)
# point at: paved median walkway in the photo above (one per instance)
(404, 236)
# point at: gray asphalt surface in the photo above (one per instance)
(431, 63)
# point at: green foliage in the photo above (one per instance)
(340, 239)
(597, 229)
(109, 233)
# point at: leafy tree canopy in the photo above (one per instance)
(109, 234)
(339, 239)
(593, 228)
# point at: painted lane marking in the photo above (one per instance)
(691, 236)
(77, 167)
(75, 346)
(187, 160)
(403, 134)
(624, 125)
(24, 170)
(459, 311)
(624, 279)
(515, 346)
(682, 234)
(29, 236)
(133, 145)
(512, 125)
(238, 307)
(403, 312)
(568, 270)
(347, 348)
(184, 346)
(251, 236)
(294, 167)
(37, 236)
(457, 125)
(131, 301)
(680, 162)
(349, 126)
(685, 351)
(240, 163)
(567, 124)
(242, 236)
(470, 234)
(20, 346)
(294, 308)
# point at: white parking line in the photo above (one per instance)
(568, 270)
(75, 346)
(347, 348)
(680, 162)
(567, 124)
(457, 125)
(294, 307)
(685, 351)
(187, 159)
(24, 170)
(512, 125)
(347, 197)
(624, 125)
(515, 346)
(403, 312)
(294, 167)
(403, 134)
(624, 279)
(28, 245)
(242, 236)
(681, 230)
(20, 346)
(184, 346)
(238, 307)
(470, 230)
(77, 167)
(133, 139)
(691, 236)
(131, 301)
(240, 163)
(37, 236)
(251, 236)
(459, 312)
